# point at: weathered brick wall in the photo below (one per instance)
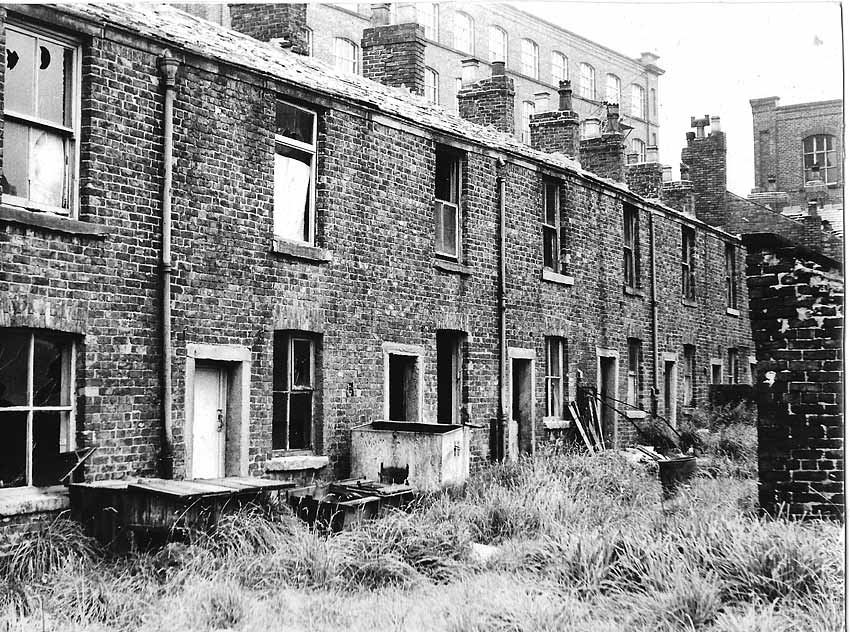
(604, 156)
(395, 56)
(489, 102)
(797, 318)
(645, 179)
(555, 131)
(679, 194)
(706, 159)
(270, 21)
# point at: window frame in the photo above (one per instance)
(432, 90)
(552, 231)
(639, 148)
(344, 64)
(732, 365)
(449, 153)
(619, 92)
(502, 34)
(731, 275)
(529, 57)
(556, 383)
(689, 364)
(631, 246)
(688, 252)
(312, 149)
(70, 134)
(529, 109)
(633, 363)
(469, 32)
(430, 20)
(587, 81)
(565, 67)
(291, 337)
(638, 101)
(69, 365)
(307, 32)
(828, 151)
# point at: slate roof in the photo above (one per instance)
(833, 213)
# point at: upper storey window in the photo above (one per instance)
(432, 85)
(560, 70)
(447, 189)
(346, 55)
(612, 88)
(428, 15)
(294, 172)
(638, 101)
(631, 246)
(530, 58)
(464, 32)
(587, 86)
(819, 149)
(498, 44)
(40, 120)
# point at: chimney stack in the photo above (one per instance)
(557, 131)
(394, 54)
(487, 101)
(284, 23)
(605, 154)
(705, 158)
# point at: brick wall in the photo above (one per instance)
(797, 318)
(645, 179)
(395, 56)
(706, 160)
(680, 195)
(604, 155)
(489, 102)
(555, 131)
(271, 21)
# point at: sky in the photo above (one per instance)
(716, 57)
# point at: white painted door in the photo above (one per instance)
(209, 425)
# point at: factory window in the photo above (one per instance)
(40, 118)
(560, 68)
(638, 101)
(294, 390)
(639, 148)
(464, 33)
(294, 172)
(612, 88)
(689, 283)
(557, 388)
(551, 225)
(346, 55)
(307, 33)
(587, 85)
(631, 246)
(528, 110)
(428, 15)
(633, 375)
(432, 85)
(819, 150)
(530, 58)
(447, 188)
(731, 277)
(36, 407)
(688, 373)
(732, 366)
(498, 45)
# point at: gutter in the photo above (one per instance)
(167, 66)
(504, 396)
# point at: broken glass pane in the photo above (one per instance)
(301, 363)
(16, 159)
(291, 193)
(551, 204)
(20, 65)
(14, 362)
(13, 449)
(300, 420)
(49, 439)
(53, 72)
(47, 373)
(47, 168)
(294, 122)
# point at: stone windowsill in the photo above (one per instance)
(554, 277)
(689, 302)
(51, 222)
(635, 414)
(296, 463)
(733, 312)
(446, 265)
(15, 501)
(556, 424)
(632, 291)
(302, 251)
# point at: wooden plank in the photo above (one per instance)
(178, 489)
(591, 427)
(577, 421)
(598, 424)
(261, 483)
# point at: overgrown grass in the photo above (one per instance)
(579, 542)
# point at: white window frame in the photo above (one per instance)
(587, 83)
(308, 40)
(343, 62)
(529, 109)
(69, 358)
(552, 229)
(440, 206)
(428, 15)
(432, 85)
(732, 361)
(639, 148)
(464, 32)
(560, 68)
(638, 101)
(291, 338)
(70, 134)
(498, 44)
(312, 150)
(530, 57)
(689, 364)
(820, 155)
(613, 92)
(557, 388)
(631, 246)
(633, 361)
(730, 256)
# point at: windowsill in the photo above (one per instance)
(632, 291)
(303, 251)
(689, 410)
(446, 265)
(689, 302)
(15, 501)
(733, 312)
(556, 424)
(554, 277)
(635, 414)
(56, 223)
(296, 463)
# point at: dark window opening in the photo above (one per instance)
(293, 391)
(633, 376)
(551, 225)
(403, 387)
(689, 283)
(447, 221)
(631, 246)
(731, 277)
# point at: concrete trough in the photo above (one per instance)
(437, 455)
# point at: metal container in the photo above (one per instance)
(675, 472)
(437, 455)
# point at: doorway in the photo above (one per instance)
(608, 397)
(522, 406)
(449, 377)
(209, 426)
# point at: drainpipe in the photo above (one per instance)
(653, 300)
(502, 419)
(167, 66)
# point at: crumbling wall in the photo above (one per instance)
(797, 319)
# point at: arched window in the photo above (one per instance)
(432, 85)
(587, 85)
(428, 15)
(498, 44)
(530, 58)
(560, 69)
(638, 101)
(819, 149)
(528, 110)
(639, 148)
(612, 88)
(346, 55)
(464, 32)
(653, 103)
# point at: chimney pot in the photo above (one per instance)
(690, 136)
(469, 71)
(612, 119)
(715, 124)
(497, 68)
(813, 208)
(565, 95)
(380, 14)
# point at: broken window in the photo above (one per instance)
(633, 376)
(294, 172)
(688, 373)
(551, 225)
(819, 150)
(732, 366)
(449, 376)
(447, 203)
(731, 277)
(293, 391)
(631, 250)
(40, 137)
(36, 407)
(403, 387)
(557, 387)
(688, 264)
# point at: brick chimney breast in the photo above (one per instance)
(394, 54)
(285, 23)
(488, 101)
(705, 159)
(558, 130)
(605, 155)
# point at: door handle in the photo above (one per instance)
(220, 420)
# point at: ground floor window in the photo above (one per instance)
(36, 407)
(402, 381)
(294, 391)
(732, 365)
(689, 371)
(557, 389)
(633, 375)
